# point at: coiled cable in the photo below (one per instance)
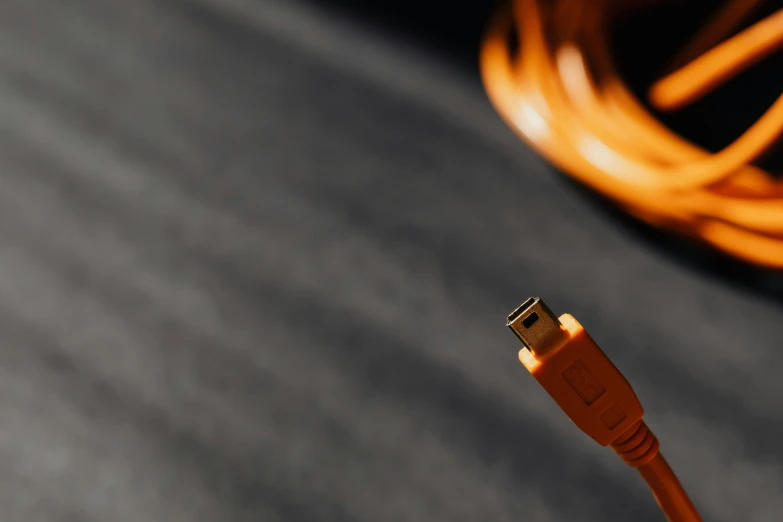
(560, 90)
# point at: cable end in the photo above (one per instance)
(537, 327)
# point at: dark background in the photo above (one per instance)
(256, 260)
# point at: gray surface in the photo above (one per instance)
(246, 275)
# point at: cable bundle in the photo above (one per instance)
(560, 90)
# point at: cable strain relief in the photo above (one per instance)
(637, 446)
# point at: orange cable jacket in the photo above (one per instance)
(668, 491)
(561, 92)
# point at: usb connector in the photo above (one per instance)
(575, 372)
(595, 395)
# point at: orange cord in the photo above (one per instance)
(595, 395)
(667, 491)
(639, 448)
(561, 92)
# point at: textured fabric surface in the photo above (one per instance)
(255, 263)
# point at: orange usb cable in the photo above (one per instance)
(559, 88)
(582, 380)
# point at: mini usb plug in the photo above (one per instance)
(537, 327)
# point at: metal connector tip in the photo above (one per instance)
(536, 326)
